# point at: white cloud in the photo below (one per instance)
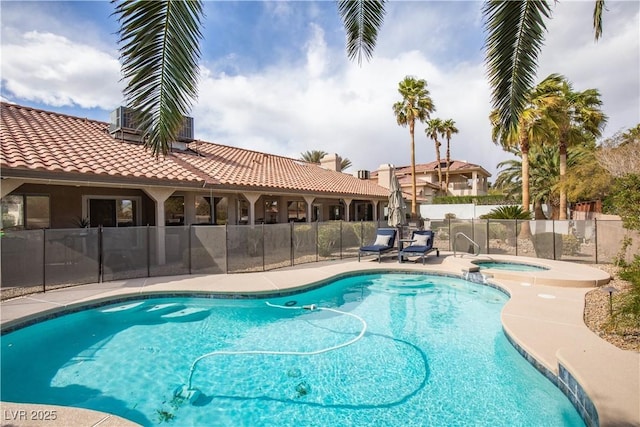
(611, 65)
(53, 70)
(311, 97)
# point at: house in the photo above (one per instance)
(465, 179)
(60, 171)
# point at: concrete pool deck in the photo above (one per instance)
(543, 320)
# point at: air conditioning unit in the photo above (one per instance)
(122, 118)
(186, 131)
(363, 174)
(123, 125)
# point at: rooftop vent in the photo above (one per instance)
(363, 174)
(123, 125)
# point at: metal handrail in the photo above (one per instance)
(455, 240)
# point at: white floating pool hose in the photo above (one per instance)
(192, 394)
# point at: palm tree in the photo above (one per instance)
(544, 179)
(314, 156)
(533, 127)
(434, 128)
(449, 127)
(160, 49)
(515, 35)
(576, 116)
(416, 104)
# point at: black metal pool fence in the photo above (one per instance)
(41, 260)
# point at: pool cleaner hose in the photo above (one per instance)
(191, 394)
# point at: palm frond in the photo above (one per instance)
(597, 18)
(515, 34)
(362, 20)
(160, 50)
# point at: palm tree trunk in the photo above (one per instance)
(439, 169)
(538, 213)
(414, 200)
(563, 172)
(446, 186)
(524, 149)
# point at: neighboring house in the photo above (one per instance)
(60, 171)
(465, 179)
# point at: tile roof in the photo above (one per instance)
(37, 141)
(422, 168)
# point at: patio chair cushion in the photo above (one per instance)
(382, 240)
(421, 240)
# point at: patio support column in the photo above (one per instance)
(7, 185)
(190, 208)
(252, 198)
(347, 204)
(309, 200)
(375, 209)
(474, 183)
(159, 196)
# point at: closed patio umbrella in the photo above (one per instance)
(397, 207)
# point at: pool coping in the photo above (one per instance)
(544, 322)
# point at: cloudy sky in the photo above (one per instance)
(275, 76)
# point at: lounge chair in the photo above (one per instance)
(421, 246)
(385, 242)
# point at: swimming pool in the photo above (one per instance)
(508, 265)
(433, 354)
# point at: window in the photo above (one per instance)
(335, 212)
(203, 210)
(243, 208)
(26, 212)
(110, 211)
(297, 211)
(174, 210)
(270, 211)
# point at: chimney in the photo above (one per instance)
(331, 162)
(384, 175)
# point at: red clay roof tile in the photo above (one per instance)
(46, 142)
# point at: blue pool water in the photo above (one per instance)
(512, 266)
(433, 354)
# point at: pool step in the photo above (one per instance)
(472, 269)
(124, 307)
(186, 315)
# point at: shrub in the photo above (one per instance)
(328, 238)
(570, 245)
(543, 243)
(627, 312)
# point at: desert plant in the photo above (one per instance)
(507, 212)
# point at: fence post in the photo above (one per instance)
(226, 249)
(340, 240)
(488, 250)
(100, 256)
(595, 234)
(516, 239)
(189, 249)
(44, 260)
(449, 221)
(291, 244)
(263, 266)
(317, 240)
(553, 241)
(149, 251)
